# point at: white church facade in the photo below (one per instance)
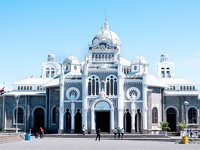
(105, 91)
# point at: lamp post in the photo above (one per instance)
(16, 120)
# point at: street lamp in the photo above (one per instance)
(16, 120)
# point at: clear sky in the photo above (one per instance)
(31, 29)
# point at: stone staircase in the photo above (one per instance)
(111, 136)
(9, 138)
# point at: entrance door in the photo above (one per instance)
(103, 120)
(38, 119)
(127, 122)
(138, 121)
(78, 122)
(171, 119)
(68, 121)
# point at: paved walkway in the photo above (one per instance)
(91, 144)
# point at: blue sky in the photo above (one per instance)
(31, 29)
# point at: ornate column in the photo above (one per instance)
(92, 120)
(84, 95)
(144, 110)
(72, 114)
(112, 119)
(133, 116)
(120, 94)
(61, 101)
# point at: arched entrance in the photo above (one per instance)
(68, 121)
(38, 119)
(127, 121)
(102, 116)
(78, 121)
(138, 121)
(171, 118)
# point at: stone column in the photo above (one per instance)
(61, 101)
(144, 110)
(133, 116)
(92, 121)
(120, 95)
(84, 95)
(112, 120)
(72, 115)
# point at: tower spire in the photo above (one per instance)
(106, 16)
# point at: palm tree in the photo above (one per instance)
(164, 126)
(182, 126)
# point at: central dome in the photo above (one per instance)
(106, 35)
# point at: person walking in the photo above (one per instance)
(41, 132)
(98, 132)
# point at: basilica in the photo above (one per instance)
(105, 91)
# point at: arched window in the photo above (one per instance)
(105, 57)
(96, 56)
(111, 85)
(52, 72)
(47, 72)
(154, 115)
(168, 73)
(192, 116)
(54, 115)
(19, 115)
(107, 87)
(111, 82)
(93, 85)
(97, 87)
(115, 87)
(89, 87)
(163, 72)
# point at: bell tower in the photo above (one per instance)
(165, 69)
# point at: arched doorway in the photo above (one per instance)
(102, 116)
(38, 119)
(138, 121)
(171, 118)
(127, 121)
(68, 121)
(78, 121)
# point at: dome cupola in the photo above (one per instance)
(105, 35)
(71, 60)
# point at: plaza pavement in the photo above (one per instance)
(49, 143)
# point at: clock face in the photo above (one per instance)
(103, 46)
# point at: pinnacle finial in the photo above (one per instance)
(105, 15)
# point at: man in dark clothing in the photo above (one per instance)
(98, 134)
